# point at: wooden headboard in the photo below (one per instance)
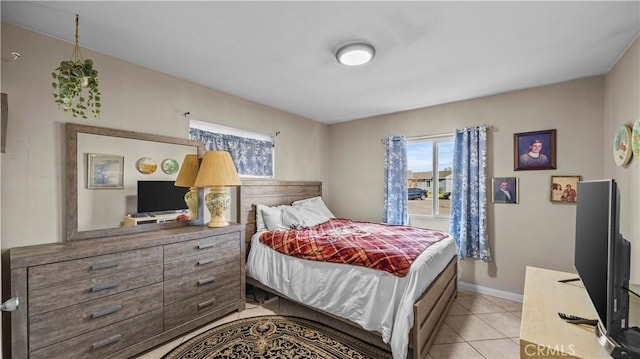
(271, 193)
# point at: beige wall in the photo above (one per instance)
(622, 107)
(535, 232)
(133, 98)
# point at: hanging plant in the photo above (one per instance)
(71, 79)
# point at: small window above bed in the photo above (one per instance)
(252, 152)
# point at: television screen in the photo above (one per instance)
(160, 196)
(601, 254)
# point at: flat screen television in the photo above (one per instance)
(602, 260)
(158, 197)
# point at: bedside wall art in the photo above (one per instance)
(505, 190)
(564, 189)
(534, 150)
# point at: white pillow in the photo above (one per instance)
(302, 217)
(260, 227)
(317, 203)
(269, 218)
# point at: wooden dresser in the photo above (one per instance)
(543, 334)
(116, 297)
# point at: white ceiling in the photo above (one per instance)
(281, 54)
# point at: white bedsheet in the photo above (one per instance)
(376, 300)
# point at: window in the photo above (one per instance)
(423, 155)
(252, 152)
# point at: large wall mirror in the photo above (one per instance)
(96, 205)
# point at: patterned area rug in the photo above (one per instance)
(275, 337)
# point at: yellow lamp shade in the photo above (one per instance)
(217, 169)
(188, 171)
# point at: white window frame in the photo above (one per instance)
(435, 205)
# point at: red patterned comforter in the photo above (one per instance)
(388, 248)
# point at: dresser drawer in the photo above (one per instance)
(224, 242)
(63, 272)
(51, 327)
(189, 309)
(105, 341)
(201, 261)
(52, 298)
(198, 282)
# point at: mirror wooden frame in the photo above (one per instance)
(72, 131)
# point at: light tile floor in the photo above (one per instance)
(478, 326)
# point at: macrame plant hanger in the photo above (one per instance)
(76, 55)
(77, 83)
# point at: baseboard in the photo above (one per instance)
(469, 287)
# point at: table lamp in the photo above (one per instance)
(217, 171)
(187, 178)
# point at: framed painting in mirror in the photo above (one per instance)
(105, 171)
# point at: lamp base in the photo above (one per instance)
(191, 199)
(218, 201)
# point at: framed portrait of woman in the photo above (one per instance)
(534, 150)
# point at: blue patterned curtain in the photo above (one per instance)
(252, 157)
(468, 220)
(395, 181)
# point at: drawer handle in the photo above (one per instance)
(205, 245)
(106, 265)
(206, 280)
(106, 341)
(205, 261)
(105, 286)
(106, 311)
(206, 303)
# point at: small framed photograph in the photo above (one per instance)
(534, 150)
(105, 171)
(564, 189)
(504, 190)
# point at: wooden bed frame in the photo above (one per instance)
(429, 310)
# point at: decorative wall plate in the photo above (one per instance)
(635, 140)
(622, 145)
(146, 165)
(169, 166)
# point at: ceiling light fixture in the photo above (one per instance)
(355, 54)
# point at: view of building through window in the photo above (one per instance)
(423, 155)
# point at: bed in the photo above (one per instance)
(421, 299)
